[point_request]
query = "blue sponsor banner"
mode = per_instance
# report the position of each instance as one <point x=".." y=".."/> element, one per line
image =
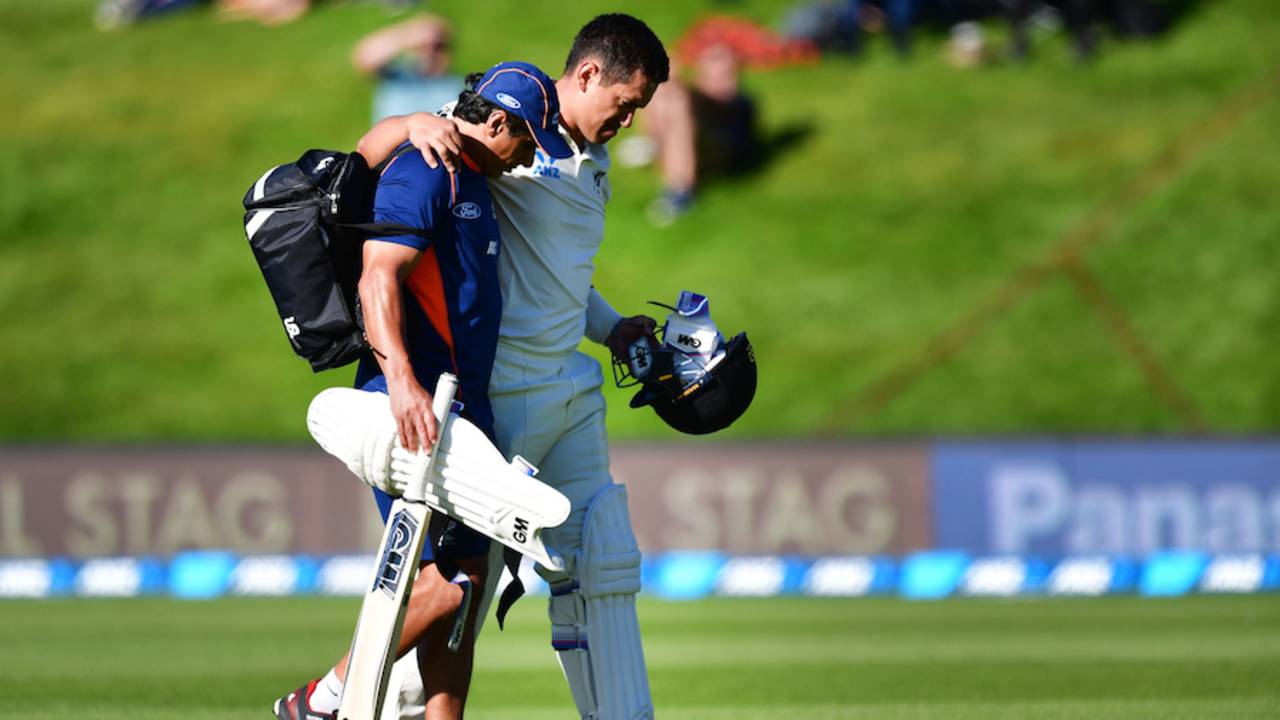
<point x="274" y="575"/>
<point x="852" y="576"/>
<point x="345" y="575"/>
<point x="763" y="576"/>
<point x="1055" y="499"/>
<point x="62" y="576"/>
<point x="36" y="578"/>
<point x="120" y="577"/>
<point x="1092" y="576"/>
<point x="932" y="575"/>
<point x="1271" y="577"/>
<point x="1238" y="574"/>
<point x="752" y="577"/>
<point x="687" y="575"/>
<point x="1006" y="576"/>
<point x="201" y="574"/>
<point x="683" y="575"/>
<point x="1172" y="573"/>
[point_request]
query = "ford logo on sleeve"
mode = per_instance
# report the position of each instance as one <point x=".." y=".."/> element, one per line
<point x="467" y="210"/>
<point x="507" y="100"/>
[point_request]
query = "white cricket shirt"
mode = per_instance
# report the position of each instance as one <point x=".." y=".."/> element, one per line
<point x="551" y="217"/>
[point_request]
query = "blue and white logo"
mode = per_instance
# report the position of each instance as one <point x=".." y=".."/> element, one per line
<point x="25" y="578"/>
<point x="544" y="165"/>
<point x="396" y="554"/>
<point x="752" y="577"/>
<point x="271" y="575"/>
<point x="467" y="210"/>
<point x="507" y="100"/>
<point x="346" y="575"/>
<point x="110" y="577"/>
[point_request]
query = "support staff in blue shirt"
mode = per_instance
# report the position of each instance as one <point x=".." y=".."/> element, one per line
<point x="432" y="304"/>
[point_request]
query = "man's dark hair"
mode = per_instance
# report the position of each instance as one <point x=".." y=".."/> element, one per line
<point x="622" y="45"/>
<point x="475" y="108"/>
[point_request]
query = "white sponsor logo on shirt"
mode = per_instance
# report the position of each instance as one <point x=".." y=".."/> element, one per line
<point x="467" y="210"/>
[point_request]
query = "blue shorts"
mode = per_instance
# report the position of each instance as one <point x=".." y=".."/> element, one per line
<point x="450" y="539"/>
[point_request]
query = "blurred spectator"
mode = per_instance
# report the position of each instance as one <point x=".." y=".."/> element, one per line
<point x="967" y="46"/>
<point x="1079" y="16"/>
<point x="700" y="130"/>
<point x="1084" y="20"/>
<point x="115" y="14"/>
<point x="705" y="126"/>
<point x="754" y="45"/>
<point x="411" y="60"/>
<point x="267" y="12"/>
<point x="839" y="25"/>
<point x="1146" y="18"/>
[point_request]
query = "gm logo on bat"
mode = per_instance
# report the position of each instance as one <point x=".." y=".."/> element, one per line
<point x="521" y="530"/>
<point x="394" y="555"/>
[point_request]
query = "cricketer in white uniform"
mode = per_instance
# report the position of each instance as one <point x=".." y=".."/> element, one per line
<point x="545" y="394"/>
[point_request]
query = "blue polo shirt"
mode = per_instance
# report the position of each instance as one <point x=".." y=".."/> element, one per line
<point x="452" y="302"/>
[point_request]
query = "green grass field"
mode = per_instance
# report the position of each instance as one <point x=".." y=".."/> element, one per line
<point x="1197" y="657"/>
<point x="1040" y="248"/>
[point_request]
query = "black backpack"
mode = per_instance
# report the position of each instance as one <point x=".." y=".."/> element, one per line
<point x="306" y="222"/>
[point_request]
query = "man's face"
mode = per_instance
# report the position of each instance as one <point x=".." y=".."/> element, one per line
<point x="511" y="151"/>
<point x="607" y="107"/>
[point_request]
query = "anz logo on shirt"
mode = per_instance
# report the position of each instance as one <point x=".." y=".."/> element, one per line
<point x="544" y="166"/>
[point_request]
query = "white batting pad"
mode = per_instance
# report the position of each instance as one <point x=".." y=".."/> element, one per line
<point x="472" y="482"/>
<point x="357" y="427"/>
<point x="568" y="614"/>
<point x="594" y="626"/>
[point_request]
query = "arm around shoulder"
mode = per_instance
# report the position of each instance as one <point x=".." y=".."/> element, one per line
<point x="438" y="139"/>
<point x="383" y="138"/>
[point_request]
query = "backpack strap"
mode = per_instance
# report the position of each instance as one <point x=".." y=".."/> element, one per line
<point x="384" y="229"/>
<point x="404" y="148"/>
<point x="387" y="229"/>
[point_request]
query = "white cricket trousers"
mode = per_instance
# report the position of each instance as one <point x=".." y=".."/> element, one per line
<point x="550" y="411"/>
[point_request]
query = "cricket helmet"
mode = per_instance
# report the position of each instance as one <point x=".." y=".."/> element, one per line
<point x="692" y="378"/>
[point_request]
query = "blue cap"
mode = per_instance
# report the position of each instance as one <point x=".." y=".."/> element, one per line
<point x="526" y="92"/>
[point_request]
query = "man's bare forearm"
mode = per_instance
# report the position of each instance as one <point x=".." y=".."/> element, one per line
<point x="383" y="138"/>
<point x="381" y="296"/>
<point x="435" y="137"/>
<point x="380" y="299"/>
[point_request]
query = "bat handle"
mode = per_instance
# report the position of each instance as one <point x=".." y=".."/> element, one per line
<point x="441" y="402"/>
<point x="446" y="388"/>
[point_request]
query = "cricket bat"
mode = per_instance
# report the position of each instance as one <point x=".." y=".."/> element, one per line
<point x="377" y="636"/>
